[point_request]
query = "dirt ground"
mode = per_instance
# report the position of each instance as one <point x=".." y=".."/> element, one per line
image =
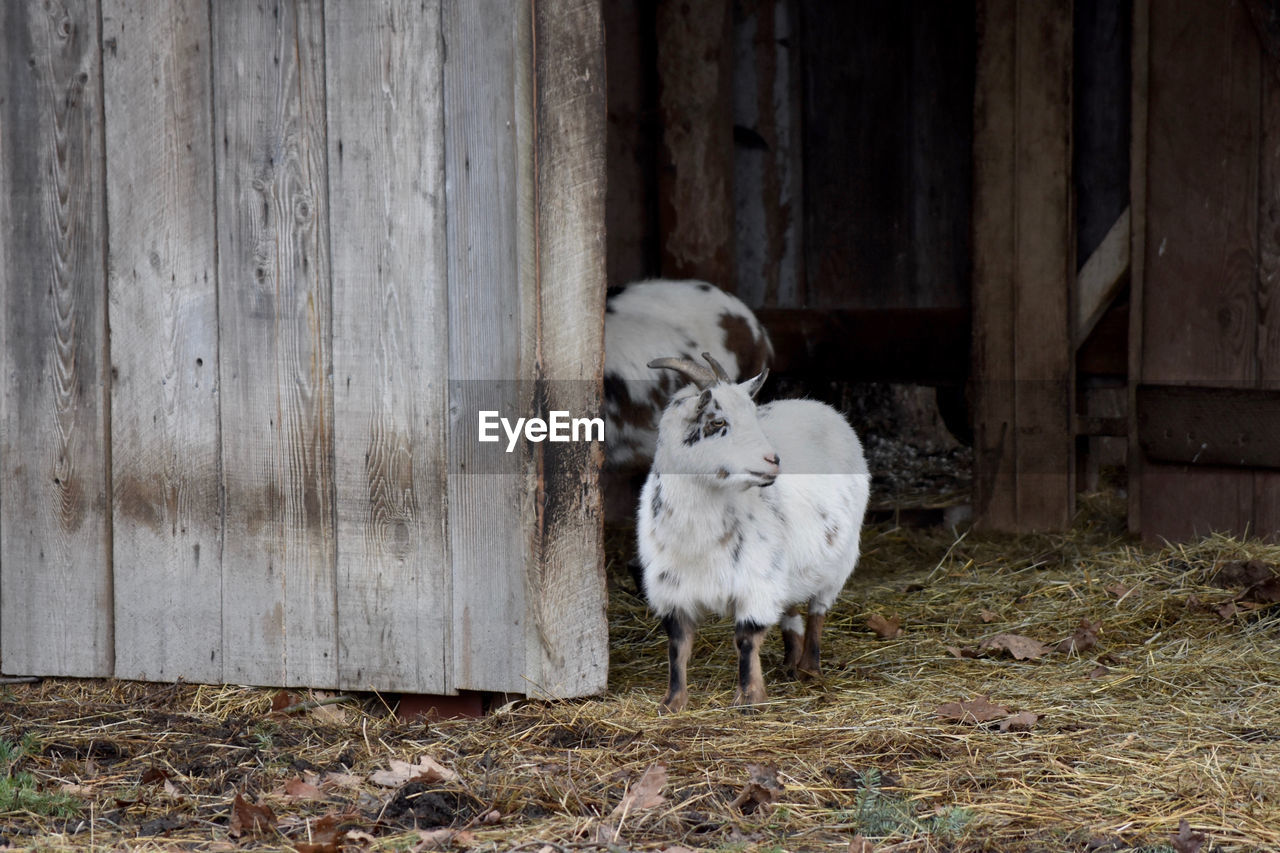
<point x="1074" y="692"/>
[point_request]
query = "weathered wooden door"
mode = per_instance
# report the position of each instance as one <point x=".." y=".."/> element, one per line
<point x="261" y="263"/>
<point x="1208" y="369"/>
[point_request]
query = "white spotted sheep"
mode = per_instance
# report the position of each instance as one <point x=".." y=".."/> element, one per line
<point x="748" y="511"/>
<point x="647" y="319"/>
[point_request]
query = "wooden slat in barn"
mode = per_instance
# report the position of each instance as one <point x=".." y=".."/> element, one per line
<point x="489" y="199"/>
<point x="1200" y="316"/>
<point x="279" y="597"/>
<point x="390" y="340"/>
<point x="568" y="655"/>
<point x="54" y="507"/>
<point x="166" y="478"/>
<point x="1024" y="266"/>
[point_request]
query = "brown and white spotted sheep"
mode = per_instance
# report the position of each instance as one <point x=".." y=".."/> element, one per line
<point x="649" y="319"/>
<point x="750" y="512"/>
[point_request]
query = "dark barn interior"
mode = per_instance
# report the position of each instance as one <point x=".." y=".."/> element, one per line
<point x="954" y="197"/>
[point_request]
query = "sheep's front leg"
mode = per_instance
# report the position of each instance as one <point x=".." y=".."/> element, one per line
<point x="680" y="629"/>
<point x="747" y="637"/>
<point x="792" y="640"/>
<point x="811" y="656"/>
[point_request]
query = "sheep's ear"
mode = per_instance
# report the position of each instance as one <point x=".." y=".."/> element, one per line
<point x="703" y="399"/>
<point x="754" y="385"/>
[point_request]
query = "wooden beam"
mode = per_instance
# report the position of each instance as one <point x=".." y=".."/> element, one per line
<point x="1229" y="427"/>
<point x="568" y="634"/>
<point x="926" y="346"/>
<point x="1139" y="82"/>
<point x="1102" y="277"/>
<point x="1024" y="267"/>
<point x="695" y="178"/>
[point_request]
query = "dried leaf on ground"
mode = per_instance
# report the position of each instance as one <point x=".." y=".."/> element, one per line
<point x="1186" y="841"/>
<point x="885" y="628"/>
<point x="957" y="652"/>
<point x="402" y="772"/>
<point x="860" y="844"/>
<point x="979" y="710"/>
<point x="154" y="775"/>
<point x="1019" y="722"/>
<point x="341" y="780"/>
<point x="762" y="791"/>
<point x="284" y="699"/>
<point x="1084" y="638"/>
<point x="1099" y="671"/>
<point x="1267" y="592"/>
<point x="1245" y="573"/>
<point x="300" y="789"/>
<point x="1020" y="647"/>
<point x="988" y="616"/>
<point x="646" y="793"/>
<point x="249" y="818"/>
<point x="430" y="839"/>
<point x="1119" y="590"/>
<point x="326" y="834"/>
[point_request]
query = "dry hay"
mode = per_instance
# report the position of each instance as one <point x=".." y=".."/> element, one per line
<point x="1172" y="714"/>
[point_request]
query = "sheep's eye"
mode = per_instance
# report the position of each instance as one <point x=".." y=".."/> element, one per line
<point x="715" y="425"/>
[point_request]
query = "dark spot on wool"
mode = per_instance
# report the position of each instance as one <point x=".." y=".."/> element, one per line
<point x="656" y="503"/>
<point x="740" y="339"/>
<point x="832" y="532"/>
<point x="722" y="474"/>
<point x="669" y="579"/>
<point x="704" y="287"/>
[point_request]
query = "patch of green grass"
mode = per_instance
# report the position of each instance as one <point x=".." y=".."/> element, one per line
<point x="882" y="814"/>
<point x="19" y="790"/>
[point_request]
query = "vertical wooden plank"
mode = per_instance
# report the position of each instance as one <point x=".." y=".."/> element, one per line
<point x="1140" y="83"/>
<point x="994" y="184"/>
<point x="1045" y="268"/>
<point x="939" y="144"/>
<point x="56" y="603"/>
<point x="166" y="485"/>
<point x="1023" y="266"/>
<point x="384" y="67"/>
<point x="1200" y="311"/>
<point x="632" y="206"/>
<point x="275" y="365"/>
<point x="492" y="329"/>
<point x="695" y="178"/>
<point x="1266" y="497"/>
<point x="569" y="648"/>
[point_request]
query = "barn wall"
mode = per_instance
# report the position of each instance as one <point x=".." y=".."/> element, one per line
<point x="261" y="266"/>
<point x="1208" y="315"/>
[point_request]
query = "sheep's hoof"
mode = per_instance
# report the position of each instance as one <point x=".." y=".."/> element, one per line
<point x="747" y="701"/>
<point x="674" y="703"/>
<point x="803" y="673"/>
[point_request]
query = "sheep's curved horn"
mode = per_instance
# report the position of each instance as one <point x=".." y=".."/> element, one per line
<point x="715" y="365"/>
<point x="695" y="373"/>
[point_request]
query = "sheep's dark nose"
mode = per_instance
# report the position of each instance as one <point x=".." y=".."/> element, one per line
<point x="773" y="459"/>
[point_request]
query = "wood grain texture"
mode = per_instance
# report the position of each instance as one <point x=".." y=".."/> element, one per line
<point x="279" y="599"/>
<point x="1200" y="289"/>
<point x="1045" y="268"/>
<point x="1140" y="74"/>
<point x="166" y="483"/>
<point x="384" y="73"/>
<point x="569" y="646"/>
<point x="54" y="511"/>
<point x="695" y="177"/>
<point x="994" y="244"/>
<point x="888" y="101"/>
<point x="1266" y="502"/>
<point x="1023" y="267"/>
<point x="492" y="332"/>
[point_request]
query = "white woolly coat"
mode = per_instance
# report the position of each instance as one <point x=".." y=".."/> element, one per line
<point x="714" y="537"/>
